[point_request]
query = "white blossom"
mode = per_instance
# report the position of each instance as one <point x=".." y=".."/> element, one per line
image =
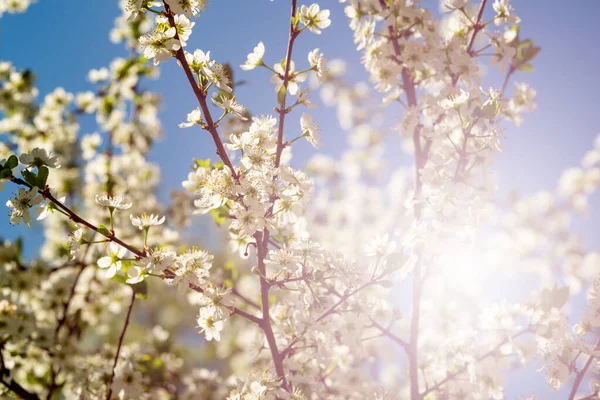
<point x="21" y="203"/>
<point x="113" y="261"/>
<point x="314" y="18"/>
<point x="255" y="59"/>
<point x="145" y="221"/>
<point x="193" y="118"/>
<point x="113" y="202"/>
<point x="38" y="158"/>
<point x="310" y="130"/>
<point x="160" y="46"/>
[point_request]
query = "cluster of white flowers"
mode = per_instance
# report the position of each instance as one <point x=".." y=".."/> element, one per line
<point x="305" y="306"/>
<point x="247" y="192"/>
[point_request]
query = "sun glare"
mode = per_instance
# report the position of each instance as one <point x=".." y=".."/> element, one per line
<point x="464" y="272"/>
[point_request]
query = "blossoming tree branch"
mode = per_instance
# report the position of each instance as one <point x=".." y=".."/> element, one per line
<point x="353" y="278"/>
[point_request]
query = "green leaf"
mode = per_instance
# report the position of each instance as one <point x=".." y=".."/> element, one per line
<point x="146" y="358"/>
<point x="530" y="53"/>
<point x="125" y="265"/>
<point x="386" y="284"/>
<point x="525" y="67"/>
<point x="42" y="177"/>
<point x="296" y="18"/>
<point x="224" y="95"/>
<point x="122" y="72"/>
<point x="157" y="363"/>
<point x="527" y="51"/>
<point x="281" y="95"/>
<point x="108" y="105"/>
<point x="12" y="162"/>
<point x="202" y="163"/>
<point x="19" y="245"/>
<point x="29" y="177"/>
<point x="141" y="290"/>
<point x="272" y="299"/>
<point x="525" y="43"/>
<point x="554" y="298"/>
<point x="231" y="272"/>
<point x="103" y="230"/>
<point x="28" y="77"/>
<point x="220" y="215"/>
<point x="119" y="279"/>
<point x="5" y="173"/>
<point x="561" y="297"/>
<point x="228" y="71"/>
<point x="141" y="296"/>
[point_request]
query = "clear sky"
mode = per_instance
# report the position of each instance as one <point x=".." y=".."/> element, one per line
<point x="62" y="40"/>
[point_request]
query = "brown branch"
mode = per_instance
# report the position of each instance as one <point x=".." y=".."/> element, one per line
<point x="581" y="374"/>
<point x="201" y="96"/>
<point x="420" y="161"/>
<point x="386" y="332"/>
<point x="112" y="374"/>
<point x="462" y="369"/>
<point x="262" y="241"/>
<point x="246" y="300"/>
<point x="511" y="70"/>
<point x="79" y="220"/>
<point x="282" y="282"/>
<point x="463" y="155"/>
<point x="286" y="78"/>
<point x="346" y="296"/>
<point x="477" y="27"/>
<point x="290" y="347"/>
<point x="248" y="316"/>
<point x="12" y="385"/>
<point x="330" y="311"/>
<point x="63" y="318"/>
<point x="593" y="396"/>
<point x="168" y="274"/>
<point x="275" y="244"/>
<point x="19" y="390"/>
<point x="264" y="298"/>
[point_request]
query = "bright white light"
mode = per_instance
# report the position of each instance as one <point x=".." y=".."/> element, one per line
<point x="464" y="272"/>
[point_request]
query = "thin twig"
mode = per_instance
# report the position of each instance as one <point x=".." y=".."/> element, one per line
<point x="250" y="317"/>
<point x="477" y="27"/>
<point x="593" y="396"/>
<point x="246" y="300"/>
<point x="12" y="385"/>
<point x="420" y="161"/>
<point x="286" y="78"/>
<point x="201" y="96"/>
<point x="581" y="374"/>
<point x="345" y="297"/>
<point x="112" y="374"/>
<point x="63" y="318"/>
<point x="264" y="299"/>
<point x="386" y="332"/>
<point x="464" y="368"/>
<point x="79" y="220"/>
<point x="262" y="241"/>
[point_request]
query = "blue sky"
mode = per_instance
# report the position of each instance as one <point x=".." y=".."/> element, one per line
<point x="62" y="41"/>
